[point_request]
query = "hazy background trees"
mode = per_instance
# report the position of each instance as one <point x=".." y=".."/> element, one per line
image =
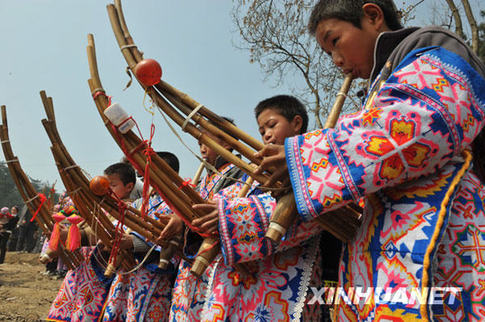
<point x="9" y="195"/>
<point x="275" y="35"/>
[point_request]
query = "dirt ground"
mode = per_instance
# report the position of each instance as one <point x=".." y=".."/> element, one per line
<point x="25" y="293"/>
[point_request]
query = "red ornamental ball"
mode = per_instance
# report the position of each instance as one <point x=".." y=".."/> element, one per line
<point x="99" y="185"/>
<point x="148" y="72"/>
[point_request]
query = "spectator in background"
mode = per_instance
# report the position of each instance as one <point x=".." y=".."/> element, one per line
<point x="6" y="224"/>
<point x="27" y="230"/>
<point x="12" y="242"/>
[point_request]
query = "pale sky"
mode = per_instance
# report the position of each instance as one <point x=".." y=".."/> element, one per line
<point x="43" y="48"/>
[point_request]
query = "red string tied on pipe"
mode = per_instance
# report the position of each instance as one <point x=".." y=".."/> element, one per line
<point x="148" y="152"/>
<point x="43" y="199"/>
<point x="186" y="183"/>
<point x="118" y="230"/>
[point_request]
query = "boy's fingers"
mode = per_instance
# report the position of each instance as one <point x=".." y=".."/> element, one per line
<point x="205" y="206"/>
<point x="280" y="174"/>
<point x="268" y="150"/>
<point x="269" y="164"/>
<point x="166" y="232"/>
<point x="210" y="225"/>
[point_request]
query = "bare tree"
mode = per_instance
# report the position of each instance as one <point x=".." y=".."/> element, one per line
<point x="275" y="33"/>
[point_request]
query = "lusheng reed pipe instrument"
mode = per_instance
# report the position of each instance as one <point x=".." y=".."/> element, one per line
<point x="176" y="192"/>
<point x="198" y="174"/>
<point x="78" y="190"/>
<point x="31" y="197"/>
<point x="190" y="115"/>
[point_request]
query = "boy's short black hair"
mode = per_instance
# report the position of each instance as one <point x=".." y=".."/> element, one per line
<point x="351" y="11"/>
<point x="124" y="170"/>
<point x="171" y="159"/>
<point x="287" y="106"/>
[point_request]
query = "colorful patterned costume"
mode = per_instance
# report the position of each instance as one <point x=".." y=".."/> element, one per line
<point x="83" y="292"/>
<point x="276" y="288"/>
<point x="424" y="221"/>
<point x="145" y="294"/>
<point x="189" y="292"/>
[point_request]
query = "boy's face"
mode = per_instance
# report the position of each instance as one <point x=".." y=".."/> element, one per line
<point x="275" y="128"/>
<point x="121" y="190"/>
<point x="351" y="48"/>
<point x="207" y="153"/>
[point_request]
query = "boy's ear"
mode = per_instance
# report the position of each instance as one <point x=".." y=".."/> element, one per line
<point x="374" y="15"/>
<point x="226" y="145"/>
<point x="130" y="185"/>
<point x="297" y="123"/>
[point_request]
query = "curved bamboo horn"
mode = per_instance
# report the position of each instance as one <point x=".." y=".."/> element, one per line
<point x="30" y="196"/>
<point x="170" y="99"/>
<point x="78" y="189"/>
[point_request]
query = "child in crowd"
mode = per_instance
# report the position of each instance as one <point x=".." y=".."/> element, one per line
<point x="271" y="285"/>
<point x="145" y="293"/>
<point x="6" y="226"/>
<point x="84" y="291"/>
<point x="408" y="154"/>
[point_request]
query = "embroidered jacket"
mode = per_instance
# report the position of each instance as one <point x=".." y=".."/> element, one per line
<point x="405" y="153"/>
<point x="189" y="292"/>
<point x="276" y="286"/>
<point x="83" y="292"/>
<point x="144" y="294"/>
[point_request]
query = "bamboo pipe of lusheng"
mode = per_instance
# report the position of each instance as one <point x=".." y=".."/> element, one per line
<point x="343" y="226"/>
<point x="132" y="215"/>
<point x="165" y="87"/>
<point x="147" y="227"/>
<point x="80" y="197"/>
<point x="198" y="174"/>
<point x="190" y="128"/>
<point x="29" y="195"/>
<point x="84" y="197"/>
<point x="164" y="179"/>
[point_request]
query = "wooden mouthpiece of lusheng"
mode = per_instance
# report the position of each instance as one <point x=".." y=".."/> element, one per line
<point x="167" y="253"/>
<point x="207" y="252"/>
<point x="112" y="267"/>
<point x="110" y="270"/>
<point x="282" y="218"/>
<point x="47" y="256"/>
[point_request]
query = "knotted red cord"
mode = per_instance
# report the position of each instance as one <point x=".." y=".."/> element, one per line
<point x="185" y="183"/>
<point x="43" y="199"/>
<point x="146" y="182"/>
<point x="95" y="95"/>
<point x="118" y="229"/>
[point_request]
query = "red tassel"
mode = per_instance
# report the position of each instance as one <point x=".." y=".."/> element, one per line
<point x="74" y="235"/>
<point x="56" y="234"/>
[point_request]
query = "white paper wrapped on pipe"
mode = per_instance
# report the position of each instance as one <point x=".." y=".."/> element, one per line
<point x="118" y="116"/>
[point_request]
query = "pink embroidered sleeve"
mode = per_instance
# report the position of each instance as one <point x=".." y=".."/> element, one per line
<point x="422" y="117"/>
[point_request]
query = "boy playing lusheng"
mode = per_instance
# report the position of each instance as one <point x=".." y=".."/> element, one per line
<point x="273" y="284"/>
<point x="84" y="291"/>
<point x="143" y="294"/>
<point x="407" y="153"/>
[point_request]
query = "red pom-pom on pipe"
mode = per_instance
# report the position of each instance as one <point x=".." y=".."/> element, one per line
<point x="148" y="72"/>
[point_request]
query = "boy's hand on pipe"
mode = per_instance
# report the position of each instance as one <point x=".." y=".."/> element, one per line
<point x="209" y="223"/>
<point x="174" y="227"/>
<point x="274" y="162"/>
